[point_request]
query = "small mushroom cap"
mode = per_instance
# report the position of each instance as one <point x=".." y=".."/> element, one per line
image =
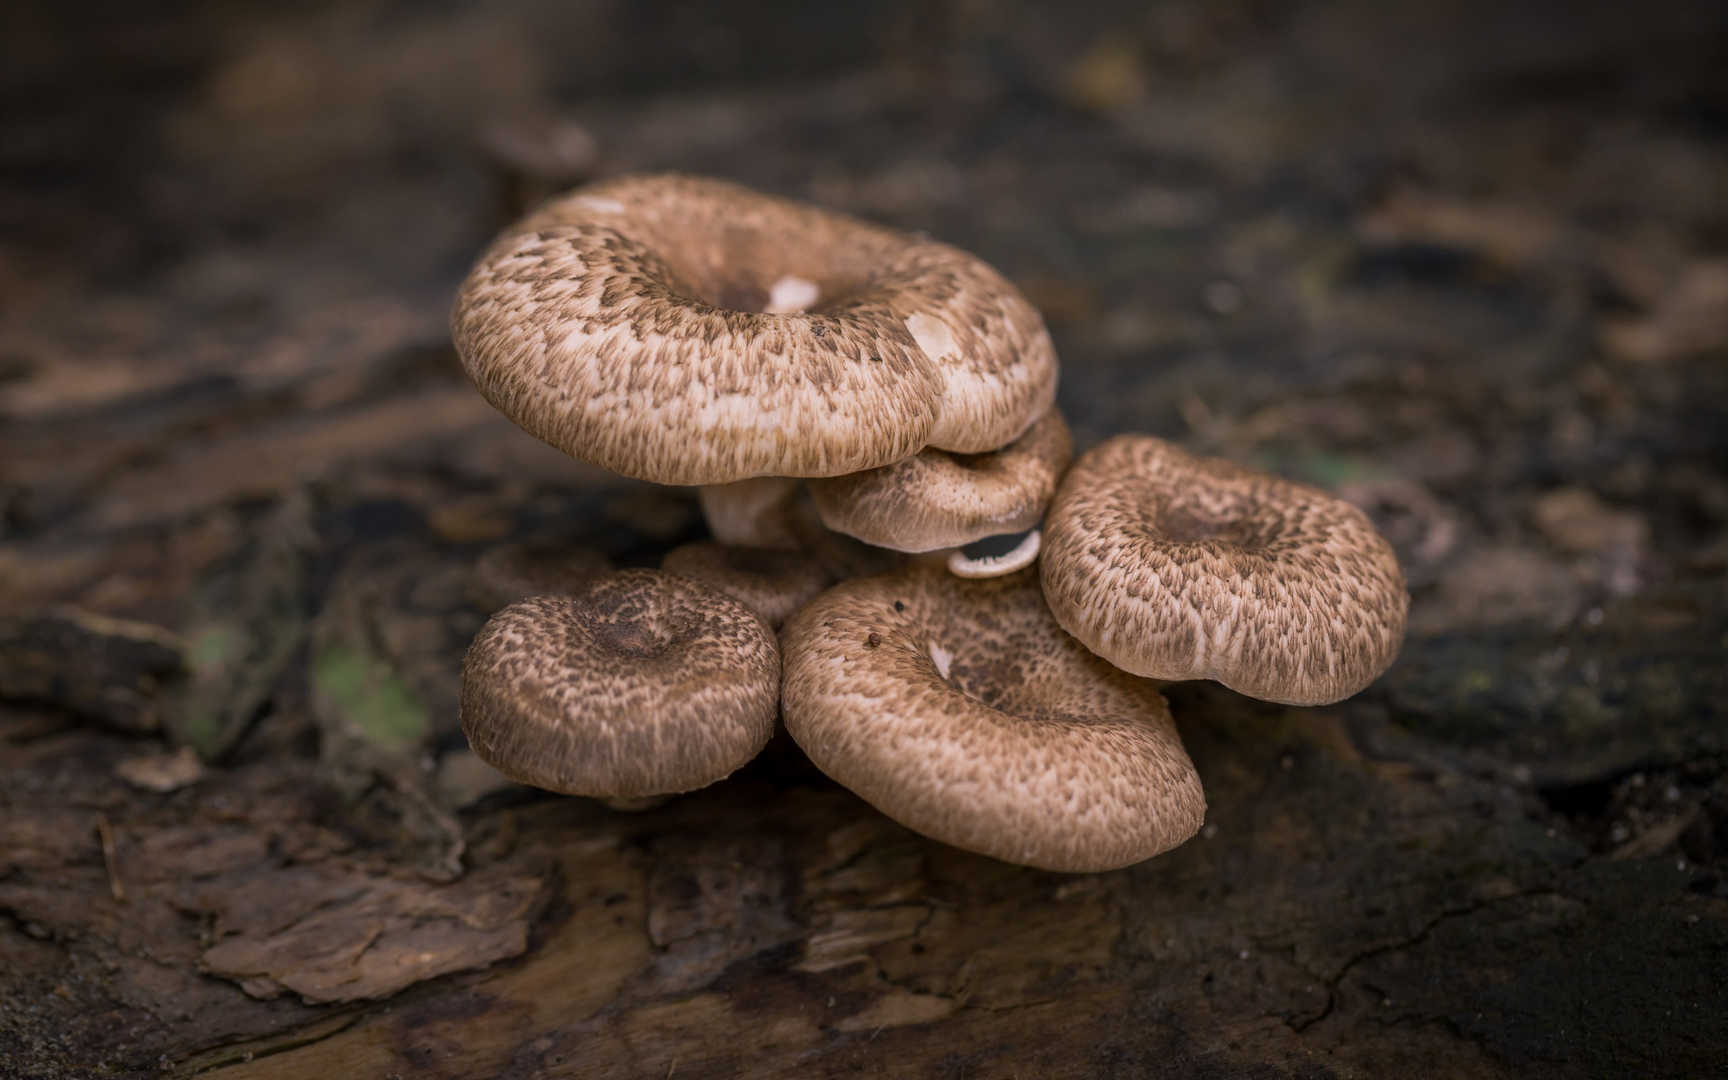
<point x="961" y="710"/>
<point x="509" y="572"/>
<point x="643" y="683"/>
<point x="937" y="499"/>
<point x="1179" y="567"/>
<point x="771" y="583"/>
<point x="628" y="324"/>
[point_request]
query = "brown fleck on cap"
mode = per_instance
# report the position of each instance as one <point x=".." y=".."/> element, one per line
<point x="961" y="710"/>
<point x="691" y="331"/>
<point x="643" y="683"/>
<point x="771" y="583"/>
<point x="937" y="499"/>
<point x="1180" y="567"/>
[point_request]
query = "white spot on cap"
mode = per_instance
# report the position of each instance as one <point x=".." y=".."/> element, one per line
<point x="790" y="295"/>
<point x="942" y="658"/>
<point x="600" y="205"/>
<point x="932" y="335"/>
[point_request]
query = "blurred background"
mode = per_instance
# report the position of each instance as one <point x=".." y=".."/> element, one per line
<point x="1472" y="237"/>
<point x="1465" y="263"/>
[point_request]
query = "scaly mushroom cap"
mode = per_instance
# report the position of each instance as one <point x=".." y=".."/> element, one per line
<point x="690" y="331"/>
<point x="961" y="710"/>
<point x="643" y="683"/>
<point x="771" y="583"/>
<point x="1179" y="567"/>
<point x="937" y="499"/>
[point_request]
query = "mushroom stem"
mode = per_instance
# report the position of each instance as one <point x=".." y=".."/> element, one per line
<point x="752" y="513"/>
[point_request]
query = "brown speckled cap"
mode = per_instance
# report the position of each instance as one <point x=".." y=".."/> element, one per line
<point x="691" y="331"/>
<point x="1179" y="567"/>
<point x="937" y="499"/>
<point x="771" y="583"/>
<point x="642" y="683"/>
<point x="961" y="710"/>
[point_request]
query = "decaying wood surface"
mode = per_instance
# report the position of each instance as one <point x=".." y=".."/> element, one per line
<point x="1464" y="265"/>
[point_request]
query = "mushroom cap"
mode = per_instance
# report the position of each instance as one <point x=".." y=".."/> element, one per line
<point x="938" y="499"/>
<point x="769" y="582"/>
<point x="642" y="683"/>
<point x="1180" y="567"/>
<point x="628" y="324"/>
<point x="961" y="710"/>
<point x="533" y="568"/>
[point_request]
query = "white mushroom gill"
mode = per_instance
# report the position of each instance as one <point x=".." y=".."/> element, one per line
<point x="1021" y="555"/>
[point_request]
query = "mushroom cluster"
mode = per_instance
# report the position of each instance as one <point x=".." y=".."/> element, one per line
<point x="836" y="388"/>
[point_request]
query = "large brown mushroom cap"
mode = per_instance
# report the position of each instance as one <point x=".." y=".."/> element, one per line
<point x="961" y="710"/>
<point x="1179" y="567"/>
<point x="937" y="499"/>
<point x="642" y="683"/>
<point x="690" y="331"/>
